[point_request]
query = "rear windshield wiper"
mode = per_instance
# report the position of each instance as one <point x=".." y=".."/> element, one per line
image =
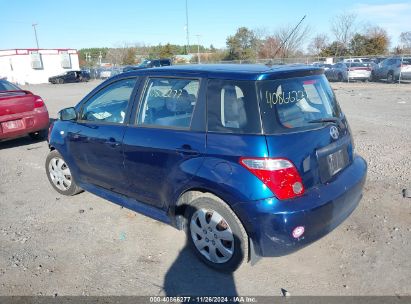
<point x="333" y="120"/>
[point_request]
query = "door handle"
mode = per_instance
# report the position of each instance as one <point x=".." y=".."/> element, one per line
<point x="187" y="150"/>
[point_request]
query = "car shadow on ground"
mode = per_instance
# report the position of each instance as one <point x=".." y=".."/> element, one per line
<point x="188" y="276"/>
<point x="25" y="140"/>
<point x="21" y="141"/>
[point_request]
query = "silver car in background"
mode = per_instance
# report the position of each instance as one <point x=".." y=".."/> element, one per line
<point x="391" y="68"/>
<point x="348" y="72"/>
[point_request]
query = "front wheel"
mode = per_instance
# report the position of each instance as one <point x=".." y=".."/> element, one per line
<point x="59" y="174"/>
<point x="216" y="234"/>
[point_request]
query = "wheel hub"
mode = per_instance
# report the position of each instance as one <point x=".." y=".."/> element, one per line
<point x="205" y="223"/>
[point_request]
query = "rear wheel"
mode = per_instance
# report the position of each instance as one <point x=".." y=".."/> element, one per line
<point x="59" y="174"/>
<point x="340" y="77"/>
<point x="372" y="76"/>
<point x="216" y="234"/>
<point x="390" y="77"/>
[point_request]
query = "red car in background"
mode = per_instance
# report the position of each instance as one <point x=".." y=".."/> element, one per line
<point x="21" y="113"/>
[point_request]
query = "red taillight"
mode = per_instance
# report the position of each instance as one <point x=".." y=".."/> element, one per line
<point x="38" y="103"/>
<point x="278" y="174"/>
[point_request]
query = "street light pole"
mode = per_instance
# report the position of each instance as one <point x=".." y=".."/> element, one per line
<point x="35" y="34"/>
<point x="187" y="32"/>
<point x="198" y="49"/>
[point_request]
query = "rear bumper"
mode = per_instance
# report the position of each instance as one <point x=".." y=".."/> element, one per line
<point x="31" y="122"/>
<point x="406" y="75"/>
<point x="270" y="222"/>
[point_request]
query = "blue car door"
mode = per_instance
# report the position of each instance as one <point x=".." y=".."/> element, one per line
<point x="95" y="140"/>
<point x="165" y="146"/>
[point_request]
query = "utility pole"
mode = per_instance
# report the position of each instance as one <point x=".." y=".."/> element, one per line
<point x="35" y="34"/>
<point x="198" y="49"/>
<point x="187" y="32"/>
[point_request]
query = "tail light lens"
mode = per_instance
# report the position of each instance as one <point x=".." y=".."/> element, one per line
<point x="278" y="174"/>
<point x="38" y="103"/>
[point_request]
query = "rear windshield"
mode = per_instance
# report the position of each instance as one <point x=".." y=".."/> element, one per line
<point x="356" y="65"/>
<point x="294" y="103"/>
<point x="7" y="86"/>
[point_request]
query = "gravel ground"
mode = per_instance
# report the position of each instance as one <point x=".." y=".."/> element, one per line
<point x="84" y="245"/>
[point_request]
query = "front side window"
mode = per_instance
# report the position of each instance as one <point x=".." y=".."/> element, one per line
<point x="296" y="103"/>
<point x="110" y="104"/>
<point x="232" y="107"/>
<point x="169" y="102"/>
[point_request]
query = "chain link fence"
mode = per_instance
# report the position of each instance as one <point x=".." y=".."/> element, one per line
<point x="382" y="67"/>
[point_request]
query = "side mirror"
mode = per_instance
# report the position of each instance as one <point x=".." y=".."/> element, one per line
<point x="67" y="114"/>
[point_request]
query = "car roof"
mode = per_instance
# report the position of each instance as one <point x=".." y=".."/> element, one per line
<point x="231" y="71"/>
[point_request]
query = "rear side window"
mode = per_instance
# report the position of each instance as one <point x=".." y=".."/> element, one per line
<point x="232" y="107"/>
<point x="295" y="103"/>
<point x="169" y="102"/>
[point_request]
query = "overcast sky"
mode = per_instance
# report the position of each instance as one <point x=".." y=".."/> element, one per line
<point x="90" y="23"/>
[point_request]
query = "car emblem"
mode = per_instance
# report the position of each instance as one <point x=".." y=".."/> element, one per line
<point x="334" y="132"/>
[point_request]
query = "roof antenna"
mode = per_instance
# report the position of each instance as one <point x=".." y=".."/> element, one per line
<point x="292" y="32"/>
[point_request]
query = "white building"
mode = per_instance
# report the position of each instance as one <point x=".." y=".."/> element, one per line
<point x="33" y="66"/>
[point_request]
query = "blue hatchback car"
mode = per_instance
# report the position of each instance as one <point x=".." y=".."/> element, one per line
<point x="250" y="160"/>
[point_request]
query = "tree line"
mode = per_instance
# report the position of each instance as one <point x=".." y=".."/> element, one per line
<point x="349" y="38"/>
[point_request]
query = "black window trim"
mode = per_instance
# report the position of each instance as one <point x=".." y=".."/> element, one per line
<point x="134" y="120"/>
<point x="129" y="107"/>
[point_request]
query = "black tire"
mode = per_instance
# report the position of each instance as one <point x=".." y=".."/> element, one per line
<point x="73" y="188"/>
<point x="390" y="77"/>
<point x="372" y="76"/>
<point x="211" y="204"/>
<point x="60" y="81"/>
<point x="39" y="135"/>
<point x="340" y="77"/>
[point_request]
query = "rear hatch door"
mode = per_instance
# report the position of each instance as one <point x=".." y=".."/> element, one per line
<point x="302" y="122"/>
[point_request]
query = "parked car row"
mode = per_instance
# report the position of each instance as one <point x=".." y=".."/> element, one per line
<point x="389" y="69"/>
<point x="348" y="71"/>
<point x="150" y="63"/>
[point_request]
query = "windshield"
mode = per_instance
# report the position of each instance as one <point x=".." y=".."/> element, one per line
<point x="145" y="63"/>
<point x="294" y="103"/>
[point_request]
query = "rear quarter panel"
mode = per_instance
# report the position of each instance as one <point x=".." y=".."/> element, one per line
<point x="221" y="172"/>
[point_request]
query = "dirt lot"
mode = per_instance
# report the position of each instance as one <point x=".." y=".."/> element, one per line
<point x="84" y="245"/>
